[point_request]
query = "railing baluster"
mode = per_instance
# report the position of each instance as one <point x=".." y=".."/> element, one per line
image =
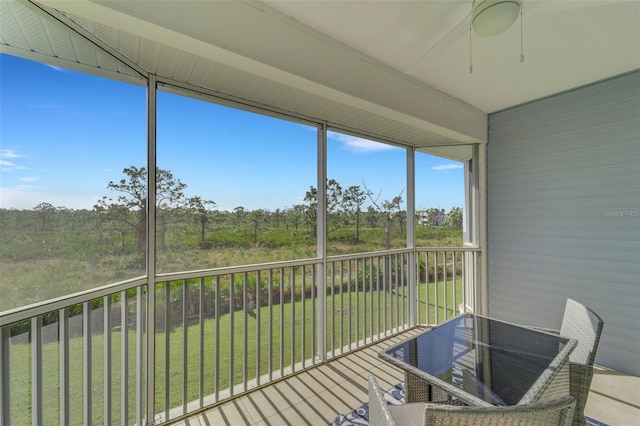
<point x="333" y="309"/>
<point x="167" y="360"/>
<point x="216" y="377"/>
<point x="363" y="315"/>
<point x="384" y="294"/>
<point x="349" y="302"/>
<point x="399" y="267"/>
<point x="63" y="341"/>
<point x="245" y="331"/>
<point x="231" y="332"/>
<point x="455" y="285"/>
<point x="107" y="337"/>
<point x="292" y="279"/>
<point x="427" y="282"/>
<point x="357" y="315"/>
<point x="407" y="265"/>
<point x="140" y="370"/>
<point x="258" y="328"/>
<point x="270" y="325"/>
<point x="417" y="289"/>
<point x="445" y="277"/>
<point x="201" y="345"/>
<point x="36" y="370"/>
<point x="303" y="316"/>
<point x="436" y="300"/>
<point x="403" y="299"/>
<point x="124" y="357"/>
<point x="313" y="313"/>
<point x="185" y="343"/>
<point x="342" y="307"/>
<point x="397" y="276"/>
<point x="396" y="284"/>
<point x="378" y="314"/>
<point x="371" y="299"/>
<point x="405" y="296"/>
<point x="5" y="375"/>
<point x="87" y="362"/>
<point x="366" y="294"/>
<point x="282" y="322"/>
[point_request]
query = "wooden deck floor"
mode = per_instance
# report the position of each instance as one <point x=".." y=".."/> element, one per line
<point x="318" y="395"/>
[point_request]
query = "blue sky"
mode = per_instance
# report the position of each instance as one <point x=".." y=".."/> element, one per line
<point x="64" y="135"/>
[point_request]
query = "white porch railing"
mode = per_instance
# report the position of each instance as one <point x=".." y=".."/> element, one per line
<point x="217" y="333"/>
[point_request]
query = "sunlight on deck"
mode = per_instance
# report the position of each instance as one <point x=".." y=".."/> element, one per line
<point x="318" y="395"/>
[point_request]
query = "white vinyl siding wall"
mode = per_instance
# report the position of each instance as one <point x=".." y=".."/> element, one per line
<point x="563" y="203"/>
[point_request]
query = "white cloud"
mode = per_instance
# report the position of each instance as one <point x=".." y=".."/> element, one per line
<point x="358" y="144"/>
<point x="8" y="166"/>
<point x="29" y="179"/>
<point x="11" y="153"/>
<point x="448" y="166"/>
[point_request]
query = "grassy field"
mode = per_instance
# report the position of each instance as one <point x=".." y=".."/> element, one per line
<point x="290" y="344"/>
<point x="40" y="267"/>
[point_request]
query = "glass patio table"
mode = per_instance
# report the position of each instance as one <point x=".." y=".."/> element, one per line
<point x="480" y="361"/>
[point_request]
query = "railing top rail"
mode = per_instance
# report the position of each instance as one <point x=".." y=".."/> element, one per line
<point x="339" y="257"/>
<point x="171" y="276"/>
<point x="449" y="249"/>
<point x="39" y="308"/>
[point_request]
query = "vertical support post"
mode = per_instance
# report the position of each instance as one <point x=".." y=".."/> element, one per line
<point x="472" y="229"/>
<point x="481" y="289"/>
<point x="151" y="247"/>
<point x="321" y="236"/>
<point x="411" y="236"/>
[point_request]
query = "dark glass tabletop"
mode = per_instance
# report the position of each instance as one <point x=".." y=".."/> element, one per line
<point x="495" y="361"/>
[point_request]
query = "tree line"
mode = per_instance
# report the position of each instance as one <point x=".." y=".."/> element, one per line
<point x="123" y="214"/>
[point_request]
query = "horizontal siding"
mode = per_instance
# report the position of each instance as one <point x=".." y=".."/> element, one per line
<point x="559" y="172"/>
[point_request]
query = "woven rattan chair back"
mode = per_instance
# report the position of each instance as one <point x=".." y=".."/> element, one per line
<point x="554" y="412"/>
<point x="379" y="414"/>
<point x="584" y="325"/>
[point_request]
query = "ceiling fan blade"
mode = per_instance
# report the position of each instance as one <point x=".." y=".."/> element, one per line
<point x="460" y="30"/>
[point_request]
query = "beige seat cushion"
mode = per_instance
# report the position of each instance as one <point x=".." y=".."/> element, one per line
<point x="408" y="414"/>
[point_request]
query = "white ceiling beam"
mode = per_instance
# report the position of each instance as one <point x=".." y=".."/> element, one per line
<point x="257" y="39"/>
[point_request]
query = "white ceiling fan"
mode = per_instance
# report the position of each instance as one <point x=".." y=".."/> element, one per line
<point x="486" y="18"/>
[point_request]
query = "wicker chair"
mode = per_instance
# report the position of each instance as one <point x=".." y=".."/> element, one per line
<point x="584" y="325"/>
<point x="548" y="413"/>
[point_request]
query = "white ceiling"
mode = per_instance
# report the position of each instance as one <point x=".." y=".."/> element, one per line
<point x="396" y="70"/>
<point x="566" y="44"/>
